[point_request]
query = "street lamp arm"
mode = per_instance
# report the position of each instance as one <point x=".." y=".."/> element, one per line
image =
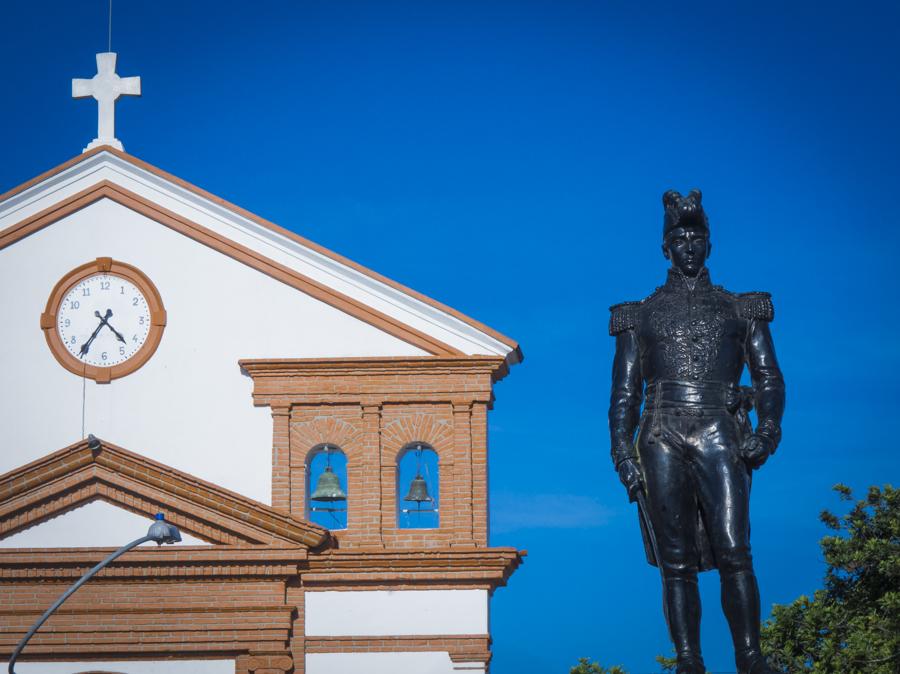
<point x="68" y="593"/>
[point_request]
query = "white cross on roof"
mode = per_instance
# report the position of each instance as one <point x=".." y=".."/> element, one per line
<point x="106" y="86"/>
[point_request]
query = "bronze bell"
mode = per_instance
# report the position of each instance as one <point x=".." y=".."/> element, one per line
<point x="328" y="487"/>
<point x="418" y="491"/>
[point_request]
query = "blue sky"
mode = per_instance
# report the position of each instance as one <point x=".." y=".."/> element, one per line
<point x="508" y="159"/>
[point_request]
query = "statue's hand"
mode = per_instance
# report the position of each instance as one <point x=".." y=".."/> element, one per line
<point x="756" y="449"/>
<point x="630" y="475"/>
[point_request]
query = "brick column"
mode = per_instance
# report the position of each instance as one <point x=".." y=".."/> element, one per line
<point x="388" y="470"/>
<point x="281" y="457"/>
<point x="297" y="471"/>
<point x="480" y="490"/>
<point x="462" y="468"/>
<point x="364" y="518"/>
<point x="294" y="595"/>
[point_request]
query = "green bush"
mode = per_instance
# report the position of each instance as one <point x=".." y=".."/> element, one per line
<point x="852" y="626"/>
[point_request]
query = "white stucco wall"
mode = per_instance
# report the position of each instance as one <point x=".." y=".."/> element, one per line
<point x="189" y="406"/>
<point x="379" y="663"/>
<point x="95" y="525"/>
<point x="128" y="667"/>
<point x="401" y="612"/>
<point x="275" y="246"/>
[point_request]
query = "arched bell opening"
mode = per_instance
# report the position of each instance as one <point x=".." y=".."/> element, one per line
<point x="326" y="487"/>
<point x="418" y="487"/>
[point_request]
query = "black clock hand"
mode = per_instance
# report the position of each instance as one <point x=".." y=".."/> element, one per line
<point x="87" y="345"/>
<point x="106" y="323"/>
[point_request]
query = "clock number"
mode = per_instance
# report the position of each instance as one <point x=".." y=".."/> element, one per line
<point x="121" y="290"/>
<point x="134" y="338"/>
<point x="121" y="350"/>
<point x="134" y="301"/>
<point x="104" y="285"/>
<point x="85" y="292"/>
<point x="75" y="304"/>
<point x="67" y="323"/>
<point x="103" y="355"/>
<point x="73" y="339"/>
<point x="141" y="320"/>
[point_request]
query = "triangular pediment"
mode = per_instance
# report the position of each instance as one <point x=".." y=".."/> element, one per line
<point x="79" y="474"/>
<point x="97" y="524"/>
<point x="106" y="173"/>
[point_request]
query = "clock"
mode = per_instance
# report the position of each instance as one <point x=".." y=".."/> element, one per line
<point x="103" y="320"/>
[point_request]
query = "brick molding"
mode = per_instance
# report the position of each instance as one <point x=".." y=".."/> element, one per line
<point x="461" y="648"/>
<point x="482" y="568"/>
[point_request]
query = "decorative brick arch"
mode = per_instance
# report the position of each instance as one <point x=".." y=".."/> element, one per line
<point x="308" y="435"/>
<point x="425" y="428"/>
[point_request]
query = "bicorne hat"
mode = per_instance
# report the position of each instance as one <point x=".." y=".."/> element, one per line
<point x="683" y="211"/>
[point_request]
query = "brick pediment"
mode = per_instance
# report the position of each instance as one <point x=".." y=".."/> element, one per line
<point x="78" y="474"/>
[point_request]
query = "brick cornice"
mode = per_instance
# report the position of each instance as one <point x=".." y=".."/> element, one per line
<point x="460" y="380"/>
<point x="173" y="608"/>
<point x="483" y="567"/>
<point x="162" y="563"/>
<point x="276" y="367"/>
<point x="41" y="483"/>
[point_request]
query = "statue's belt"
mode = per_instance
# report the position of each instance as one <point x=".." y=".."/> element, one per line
<point x="684" y="398"/>
<point x="664" y="395"/>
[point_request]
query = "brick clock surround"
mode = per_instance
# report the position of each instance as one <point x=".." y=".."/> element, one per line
<point x="268" y="591"/>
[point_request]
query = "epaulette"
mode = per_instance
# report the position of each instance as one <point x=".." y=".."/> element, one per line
<point x="756" y="305"/>
<point x="623" y="317"/>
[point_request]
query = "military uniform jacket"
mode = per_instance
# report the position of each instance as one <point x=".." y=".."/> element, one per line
<point x="692" y="331"/>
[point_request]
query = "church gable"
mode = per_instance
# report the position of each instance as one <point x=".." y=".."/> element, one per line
<point x="106" y="173"/>
<point x="81" y="474"/>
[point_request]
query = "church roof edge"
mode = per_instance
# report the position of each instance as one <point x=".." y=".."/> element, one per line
<point x="513" y="356"/>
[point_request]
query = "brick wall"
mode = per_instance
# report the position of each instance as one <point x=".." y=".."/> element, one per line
<point x="373" y="409"/>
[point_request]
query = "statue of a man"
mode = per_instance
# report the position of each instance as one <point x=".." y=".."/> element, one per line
<point x="681" y="352"/>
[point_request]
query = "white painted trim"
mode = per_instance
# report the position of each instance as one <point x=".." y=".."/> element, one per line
<point x="189" y="204"/>
<point x="429" y="662"/>
<point x="396" y="612"/>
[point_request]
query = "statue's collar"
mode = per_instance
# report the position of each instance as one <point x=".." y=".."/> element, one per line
<point x="677" y="281"/>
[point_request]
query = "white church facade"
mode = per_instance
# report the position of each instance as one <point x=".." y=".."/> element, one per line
<point x="229" y="369"/>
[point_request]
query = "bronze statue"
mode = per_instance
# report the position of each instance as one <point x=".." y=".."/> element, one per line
<point x="681" y="352"/>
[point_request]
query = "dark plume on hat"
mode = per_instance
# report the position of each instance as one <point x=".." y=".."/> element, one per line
<point x="683" y="211"/>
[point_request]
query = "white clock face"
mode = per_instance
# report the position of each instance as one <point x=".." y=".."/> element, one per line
<point x="103" y="320"/>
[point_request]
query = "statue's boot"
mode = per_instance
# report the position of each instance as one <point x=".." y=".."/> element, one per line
<point x="683" y="612"/>
<point x="754" y="663"/>
<point x="740" y="602"/>
<point x="690" y="666"/>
